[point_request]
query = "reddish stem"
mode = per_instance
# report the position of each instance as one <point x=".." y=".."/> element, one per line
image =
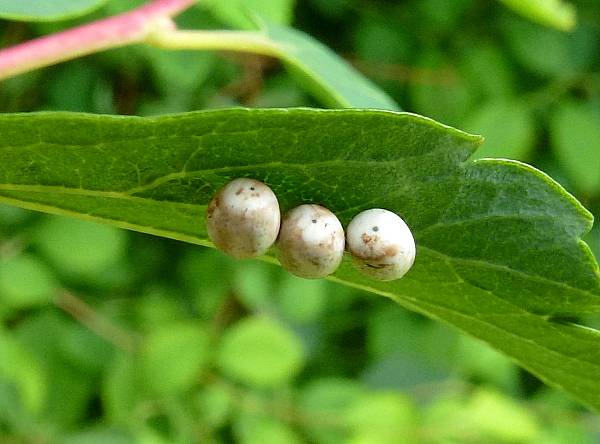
<point x="112" y="32"/>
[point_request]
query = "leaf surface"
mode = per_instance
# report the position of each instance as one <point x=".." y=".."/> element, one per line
<point x="499" y="253"/>
<point x="575" y="136"/>
<point x="557" y="14"/>
<point x="46" y="10"/>
<point x="238" y="13"/>
<point x="323" y="73"/>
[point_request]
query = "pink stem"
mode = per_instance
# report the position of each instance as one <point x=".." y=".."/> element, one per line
<point x="112" y="32"/>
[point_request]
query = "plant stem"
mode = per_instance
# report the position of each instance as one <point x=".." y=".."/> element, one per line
<point x="243" y="41"/>
<point x="97" y="323"/>
<point x="124" y="29"/>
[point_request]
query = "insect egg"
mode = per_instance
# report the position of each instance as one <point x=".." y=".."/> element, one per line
<point x="381" y="244"/>
<point x="311" y="241"/>
<point x="243" y="218"/>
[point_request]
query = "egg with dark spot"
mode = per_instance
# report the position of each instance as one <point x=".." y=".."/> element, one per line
<point x="311" y="241"/>
<point x="243" y="218"/>
<point x="381" y="244"/>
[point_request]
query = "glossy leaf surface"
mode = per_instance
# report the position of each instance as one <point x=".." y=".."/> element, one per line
<point x="557" y="14"/>
<point x="499" y="253"/>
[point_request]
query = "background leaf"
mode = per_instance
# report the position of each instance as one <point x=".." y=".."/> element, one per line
<point x="172" y="357"/>
<point x="575" y="132"/>
<point x="26" y="282"/>
<point x="508" y="127"/>
<point x="260" y="352"/>
<point x="237" y="13"/>
<point x="47" y="10"/>
<point x="499" y="249"/>
<point x="323" y="73"/>
<point x="558" y="14"/>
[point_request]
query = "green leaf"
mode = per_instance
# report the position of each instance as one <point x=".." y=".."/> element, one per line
<point x="172" y="357"/>
<point x="68" y="390"/>
<point x="557" y="14"/>
<point x="260" y="352"/>
<point x="302" y="300"/>
<point x="26" y="282"/>
<point x="120" y="389"/>
<point x="439" y="100"/>
<point x="59" y="240"/>
<point x="329" y="399"/>
<point x="255" y="429"/>
<point x="543" y="51"/>
<point x="100" y="435"/>
<point x="508" y="127"/>
<point x="323" y="73"/>
<point x="46" y="10"/>
<point x="237" y="13"/>
<point x="483" y="417"/>
<point x="387" y="416"/>
<point x="20" y="369"/>
<point x="575" y="135"/>
<point x="253" y="285"/>
<point x="317" y="68"/>
<point x="214" y="404"/>
<point x="499" y="250"/>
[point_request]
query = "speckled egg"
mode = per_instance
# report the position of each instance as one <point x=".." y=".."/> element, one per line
<point x="381" y="244"/>
<point x="243" y="218"/>
<point x="311" y="241"/>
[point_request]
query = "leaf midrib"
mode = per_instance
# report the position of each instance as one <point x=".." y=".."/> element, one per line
<point x="174" y="235"/>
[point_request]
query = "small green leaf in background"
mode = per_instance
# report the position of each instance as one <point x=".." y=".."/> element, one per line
<point x="173" y="356"/>
<point x="253" y="284"/>
<point x="508" y="127"/>
<point x="374" y="29"/>
<point x="258" y="351"/>
<point x="80" y="248"/>
<point x="382" y="417"/>
<point x="120" y="388"/>
<point x="100" y="435"/>
<point x="70" y="389"/>
<point x="257" y="429"/>
<point x="26" y="282"/>
<point x="447" y="100"/>
<point x="84" y="349"/>
<point x="498" y="417"/>
<point x="202" y="272"/>
<point x="543" y="51"/>
<point x="329" y="399"/>
<point x="158" y="306"/>
<point x="483" y="416"/>
<point x="238" y="13"/>
<point x="488" y="72"/>
<point x="47" y="10"/>
<point x="482" y="363"/>
<point x="302" y="300"/>
<point x="19" y="368"/>
<point x="405" y="352"/>
<point x="214" y="404"/>
<point x="575" y="136"/>
<point x="87" y="90"/>
<point x="559" y="14"/>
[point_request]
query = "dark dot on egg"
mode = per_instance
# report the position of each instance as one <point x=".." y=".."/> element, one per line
<point x="375" y="228"/>
<point x="251" y="188"/>
<point x="314" y="221"/>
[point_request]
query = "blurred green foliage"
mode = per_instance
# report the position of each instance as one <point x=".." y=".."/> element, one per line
<point x="114" y="337"/>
